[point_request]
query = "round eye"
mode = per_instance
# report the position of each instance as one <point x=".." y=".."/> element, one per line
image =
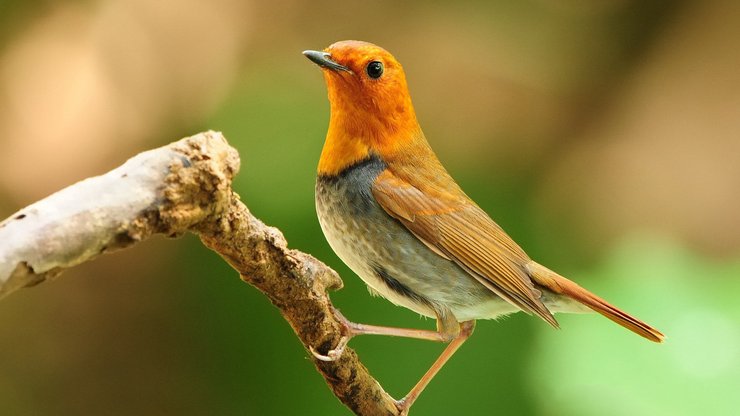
<point x="375" y="69"/>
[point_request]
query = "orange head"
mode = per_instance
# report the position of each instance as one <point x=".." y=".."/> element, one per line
<point x="371" y="110"/>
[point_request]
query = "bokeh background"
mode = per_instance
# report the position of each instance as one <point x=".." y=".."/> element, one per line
<point x="603" y="135"/>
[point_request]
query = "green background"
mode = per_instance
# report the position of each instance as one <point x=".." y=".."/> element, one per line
<point x="547" y="112"/>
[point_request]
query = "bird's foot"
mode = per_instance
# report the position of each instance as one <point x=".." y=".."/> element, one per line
<point x="403" y="407"/>
<point x="334" y="353"/>
<point x="347" y="334"/>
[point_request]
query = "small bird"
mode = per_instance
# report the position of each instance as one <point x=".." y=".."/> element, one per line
<point x="393" y="214"/>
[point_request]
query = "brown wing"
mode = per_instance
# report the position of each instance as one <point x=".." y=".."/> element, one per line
<point x="457" y="229"/>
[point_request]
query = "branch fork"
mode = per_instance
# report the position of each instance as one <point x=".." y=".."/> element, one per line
<point x="186" y="187"/>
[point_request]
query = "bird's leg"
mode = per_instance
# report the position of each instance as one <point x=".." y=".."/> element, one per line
<point x="447" y="330"/>
<point x="466" y="328"/>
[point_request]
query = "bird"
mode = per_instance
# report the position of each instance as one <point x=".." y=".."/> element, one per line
<point x="390" y="210"/>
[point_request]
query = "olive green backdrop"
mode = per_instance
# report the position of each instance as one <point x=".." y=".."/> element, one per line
<point x="603" y="136"/>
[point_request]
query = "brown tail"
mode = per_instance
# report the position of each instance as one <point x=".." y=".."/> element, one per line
<point x="558" y="284"/>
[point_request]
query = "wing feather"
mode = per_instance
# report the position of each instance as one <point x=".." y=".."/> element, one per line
<point x="457" y="229"/>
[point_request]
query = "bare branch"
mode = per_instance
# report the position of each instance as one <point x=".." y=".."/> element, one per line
<point x="296" y="283"/>
<point x="186" y="186"/>
<point x="162" y="191"/>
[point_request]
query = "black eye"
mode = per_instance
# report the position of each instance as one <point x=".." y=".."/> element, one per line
<point x="375" y="69"/>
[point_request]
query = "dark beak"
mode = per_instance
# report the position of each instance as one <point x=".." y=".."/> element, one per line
<point x="323" y="59"/>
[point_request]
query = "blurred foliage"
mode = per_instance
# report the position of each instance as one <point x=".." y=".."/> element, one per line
<point x="594" y="370"/>
<point x="560" y="118"/>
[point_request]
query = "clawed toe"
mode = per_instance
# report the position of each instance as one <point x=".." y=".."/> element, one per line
<point x="403" y="407"/>
<point x="333" y="354"/>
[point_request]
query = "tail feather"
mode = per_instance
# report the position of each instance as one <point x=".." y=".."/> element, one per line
<point x="559" y="284"/>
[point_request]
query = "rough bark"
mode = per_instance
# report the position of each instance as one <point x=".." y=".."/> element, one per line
<point x="186" y="186"/>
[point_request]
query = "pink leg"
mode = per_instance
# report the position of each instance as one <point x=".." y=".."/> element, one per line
<point x="466" y="329"/>
<point x="447" y="330"/>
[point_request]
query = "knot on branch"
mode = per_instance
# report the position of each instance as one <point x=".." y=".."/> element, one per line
<point x="198" y="186"/>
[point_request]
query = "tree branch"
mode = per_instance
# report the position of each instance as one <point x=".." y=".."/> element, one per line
<point x="186" y="186"/>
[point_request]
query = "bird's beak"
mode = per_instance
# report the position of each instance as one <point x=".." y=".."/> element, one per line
<point x="323" y="59"/>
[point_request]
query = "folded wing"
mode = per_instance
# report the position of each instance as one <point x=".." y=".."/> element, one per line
<point x="455" y="228"/>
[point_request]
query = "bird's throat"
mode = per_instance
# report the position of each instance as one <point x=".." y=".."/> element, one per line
<point x="354" y="137"/>
<point x="339" y="153"/>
